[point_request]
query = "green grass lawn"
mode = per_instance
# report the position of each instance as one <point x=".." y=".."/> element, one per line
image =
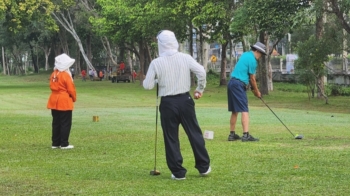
<point x="115" y="155"/>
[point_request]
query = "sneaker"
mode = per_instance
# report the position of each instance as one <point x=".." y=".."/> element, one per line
<point x="207" y="172"/>
<point x="233" y="137"/>
<point x="67" y="147"/>
<point x="249" y="138"/>
<point x="175" y="178"/>
<point x="55" y="147"/>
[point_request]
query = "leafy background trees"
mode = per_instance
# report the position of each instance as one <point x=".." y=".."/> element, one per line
<point x="104" y="32"/>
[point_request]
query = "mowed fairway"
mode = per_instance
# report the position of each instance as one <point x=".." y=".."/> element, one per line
<point x="115" y="155"/>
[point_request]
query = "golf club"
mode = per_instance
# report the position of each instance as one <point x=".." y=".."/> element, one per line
<point x="297" y="136"/>
<point x="155" y="172"/>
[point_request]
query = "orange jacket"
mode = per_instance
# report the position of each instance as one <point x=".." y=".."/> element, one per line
<point x="63" y="92"/>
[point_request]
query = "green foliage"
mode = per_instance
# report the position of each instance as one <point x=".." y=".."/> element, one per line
<point x="213" y="77"/>
<point x="333" y="90"/>
<point x="302" y="34"/>
<point x="289" y="87"/>
<point x="273" y="16"/>
<point x="30" y="69"/>
<point x="133" y="21"/>
<point x="311" y="56"/>
<point x="307" y="78"/>
<point x="241" y="25"/>
<point x="2" y="10"/>
<point x="275" y="60"/>
<point x="337" y="90"/>
<point x="19" y="13"/>
<point x="217" y="16"/>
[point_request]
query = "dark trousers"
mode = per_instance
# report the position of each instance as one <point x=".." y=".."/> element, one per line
<point x="176" y="110"/>
<point x="61" y="125"/>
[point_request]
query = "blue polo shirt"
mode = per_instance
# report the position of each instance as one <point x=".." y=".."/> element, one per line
<point x="245" y="66"/>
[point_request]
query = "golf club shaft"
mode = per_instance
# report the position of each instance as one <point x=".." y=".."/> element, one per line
<point x="276" y="116"/>
<point x="155" y="142"/>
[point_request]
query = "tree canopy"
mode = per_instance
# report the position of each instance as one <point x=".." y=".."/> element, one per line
<point x="124" y="28"/>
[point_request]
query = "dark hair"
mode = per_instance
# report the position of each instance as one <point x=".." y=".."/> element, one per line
<point x="254" y="49"/>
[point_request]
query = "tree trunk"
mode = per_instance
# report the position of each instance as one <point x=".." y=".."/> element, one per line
<point x="108" y="49"/>
<point x="63" y="42"/>
<point x="205" y="55"/>
<point x="88" y="47"/>
<point x="143" y="71"/>
<point x="190" y="45"/>
<point x="130" y="63"/>
<point x="122" y="52"/>
<point x="8" y="66"/>
<point x="77" y="66"/>
<point x="262" y="76"/>
<point x="262" y="67"/>
<point x="269" y="68"/>
<point x="320" y="88"/>
<point x="223" y="80"/>
<point x="3" y="61"/>
<point x="200" y="51"/>
<point x="36" y="67"/>
<point x="191" y="49"/>
<point x="47" y="51"/>
<point x="345" y="52"/>
<point x="269" y="77"/>
<point x="147" y="54"/>
<point x="231" y="56"/>
<point x="69" y="27"/>
<point x="320" y="21"/>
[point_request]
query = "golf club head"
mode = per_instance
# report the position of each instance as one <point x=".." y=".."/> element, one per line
<point x="154" y="173"/>
<point x="299" y="137"/>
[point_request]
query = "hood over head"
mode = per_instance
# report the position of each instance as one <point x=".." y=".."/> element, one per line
<point x="167" y="43"/>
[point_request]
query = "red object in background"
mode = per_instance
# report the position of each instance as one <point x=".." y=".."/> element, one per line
<point x="122" y="66"/>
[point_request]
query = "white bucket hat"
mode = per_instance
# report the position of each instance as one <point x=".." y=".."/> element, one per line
<point x="63" y="62"/>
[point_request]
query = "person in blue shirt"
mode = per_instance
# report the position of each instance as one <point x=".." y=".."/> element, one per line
<point x="243" y="75"/>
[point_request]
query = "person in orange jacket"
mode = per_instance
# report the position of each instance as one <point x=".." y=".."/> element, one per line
<point x="63" y="94"/>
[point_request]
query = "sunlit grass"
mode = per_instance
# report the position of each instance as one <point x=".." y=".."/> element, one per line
<point x="115" y="155"/>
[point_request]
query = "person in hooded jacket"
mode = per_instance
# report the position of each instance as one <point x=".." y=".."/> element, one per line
<point x="61" y="99"/>
<point x="172" y="72"/>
